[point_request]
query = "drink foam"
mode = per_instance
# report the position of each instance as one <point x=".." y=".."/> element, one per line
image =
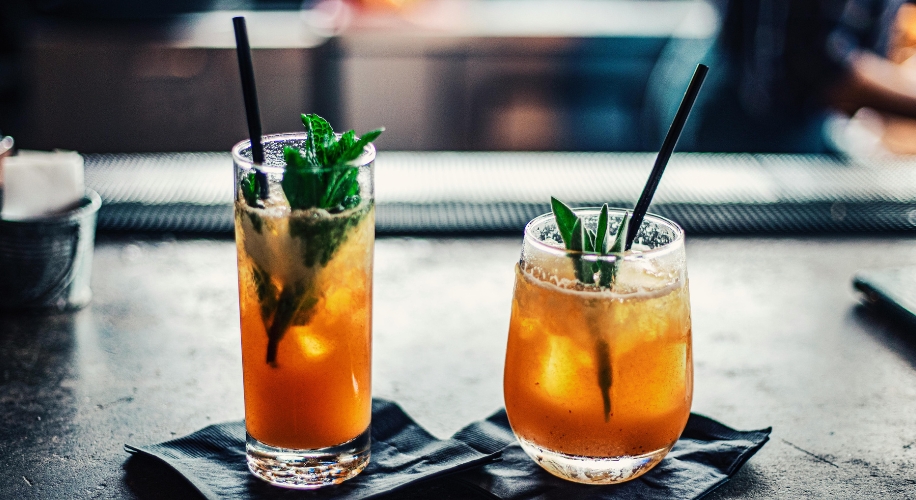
<point x="636" y="279"/>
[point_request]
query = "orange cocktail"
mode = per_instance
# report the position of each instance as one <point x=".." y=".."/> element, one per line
<point x="316" y="392"/>
<point x="599" y="379"/>
<point x="305" y="296"/>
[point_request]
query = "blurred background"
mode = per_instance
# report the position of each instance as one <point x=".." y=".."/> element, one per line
<point x="789" y="76"/>
<point x="161" y="75"/>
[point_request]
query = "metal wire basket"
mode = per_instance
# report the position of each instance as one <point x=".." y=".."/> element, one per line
<point x="45" y="263"/>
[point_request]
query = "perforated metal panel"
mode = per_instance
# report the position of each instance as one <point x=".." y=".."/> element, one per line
<point x="501" y="192"/>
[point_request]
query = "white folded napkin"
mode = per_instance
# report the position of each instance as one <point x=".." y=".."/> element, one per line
<point x="37" y="183"/>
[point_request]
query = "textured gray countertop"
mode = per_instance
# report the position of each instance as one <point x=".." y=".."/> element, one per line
<point x="778" y="340"/>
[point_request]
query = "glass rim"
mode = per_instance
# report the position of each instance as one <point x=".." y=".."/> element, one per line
<point x="367" y="157"/>
<point x="656" y="252"/>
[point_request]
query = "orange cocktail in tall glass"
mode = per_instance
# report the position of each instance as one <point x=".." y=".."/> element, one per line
<point x="599" y="379"/>
<point x="305" y="288"/>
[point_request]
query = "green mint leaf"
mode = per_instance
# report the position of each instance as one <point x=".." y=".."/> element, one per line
<point x="345" y="186"/>
<point x="301" y="184"/>
<point x="579" y="238"/>
<point x="304" y="314"/>
<point x="576" y="237"/>
<point x="266" y="291"/>
<point x="369" y="136"/>
<point x="601" y="242"/>
<point x="250" y="189"/>
<point x="319" y="131"/>
<point x="588" y="268"/>
<point x="621" y="238"/>
<point x="608" y="269"/>
<point x="343" y="145"/>
<point x="585" y="270"/>
<point x="312" y="178"/>
<point x="608" y="272"/>
<point x="353" y="187"/>
<point x="566" y="219"/>
<point x="332" y="180"/>
<point x="588" y="242"/>
<point x="354" y="151"/>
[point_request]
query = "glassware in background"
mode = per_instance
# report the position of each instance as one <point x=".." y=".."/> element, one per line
<point x="599" y="380"/>
<point x="305" y="292"/>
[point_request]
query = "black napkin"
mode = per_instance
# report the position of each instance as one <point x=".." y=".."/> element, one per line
<point x="704" y="458"/>
<point x="213" y="459"/>
<point x="483" y="460"/>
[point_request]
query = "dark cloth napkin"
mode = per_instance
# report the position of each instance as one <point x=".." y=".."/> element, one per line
<point x="213" y="459"/>
<point x="483" y="460"/>
<point x="704" y="458"/>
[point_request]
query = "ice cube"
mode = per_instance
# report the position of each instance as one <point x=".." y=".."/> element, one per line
<point x="641" y="275"/>
<point x="312" y="345"/>
<point x="565" y="367"/>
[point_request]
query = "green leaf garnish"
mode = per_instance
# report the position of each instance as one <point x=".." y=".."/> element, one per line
<point x="621" y="239"/>
<point x="578" y="238"/>
<point x="319" y="175"/>
<point x="601" y="236"/>
<point x="565" y="219"/>
<point x="267" y="292"/>
<point x="608" y="269"/>
<point x="588" y="241"/>
<point x="249" y="186"/>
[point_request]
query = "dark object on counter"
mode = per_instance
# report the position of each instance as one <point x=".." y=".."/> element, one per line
<point x="483" y="461"/>
<point x="891" y="291"/>
<point x="46" y="262"/>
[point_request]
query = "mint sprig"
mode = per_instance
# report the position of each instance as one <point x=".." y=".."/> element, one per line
<point x="579" y="238"/>
<point x="319" y="175"/>
<point x="249" y="185"/>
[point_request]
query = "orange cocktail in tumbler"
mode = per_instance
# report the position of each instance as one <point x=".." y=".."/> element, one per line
<point x="305" y="248"/>
<point x="599" y="375"/>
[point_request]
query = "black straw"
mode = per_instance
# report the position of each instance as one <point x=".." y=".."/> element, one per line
<point x="661" y="161"/>
<point x="252" y="112"/>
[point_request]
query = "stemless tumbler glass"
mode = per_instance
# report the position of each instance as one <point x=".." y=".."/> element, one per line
<point x="599" y="379"/>
<point x="305" y="293"/>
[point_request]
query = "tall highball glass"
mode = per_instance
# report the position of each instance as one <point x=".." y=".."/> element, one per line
<point x="305" y="293"/>
<point x="599" y="379"/>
